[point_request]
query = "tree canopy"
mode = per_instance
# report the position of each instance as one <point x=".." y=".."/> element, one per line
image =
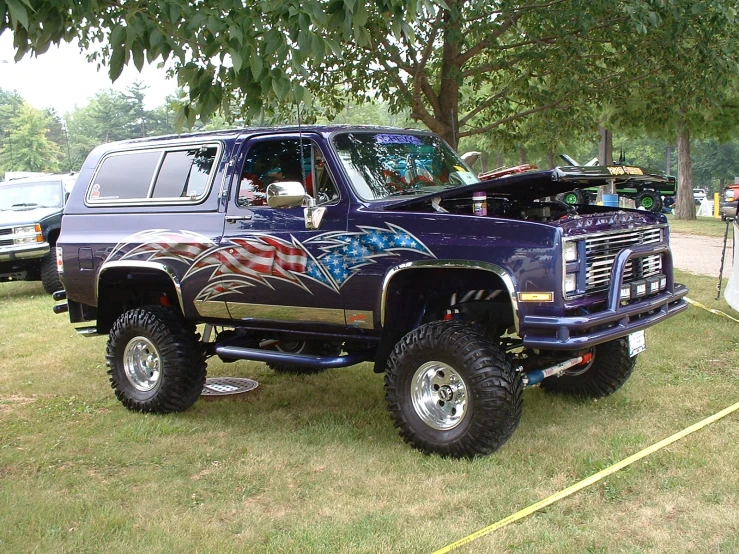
<point x="462" y="68"/>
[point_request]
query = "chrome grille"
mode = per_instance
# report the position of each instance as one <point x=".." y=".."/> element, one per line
<point x="6" y="231"/>
<point x="601" y="251"/>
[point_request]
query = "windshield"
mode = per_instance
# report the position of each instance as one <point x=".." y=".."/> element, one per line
<point x="381" y="165"/>
<point x="47" y="194"/>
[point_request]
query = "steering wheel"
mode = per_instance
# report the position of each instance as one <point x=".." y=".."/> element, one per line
<point x="393" y="180"/>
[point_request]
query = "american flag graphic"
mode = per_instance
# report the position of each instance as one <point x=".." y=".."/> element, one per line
<point x="239" y="263"/>
<point x="255" y="259"/>
<point x="344" y="253"/>
<point x="162" y="244"/>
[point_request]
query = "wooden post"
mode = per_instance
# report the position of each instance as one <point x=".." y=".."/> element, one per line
<point x="605" y="157"/>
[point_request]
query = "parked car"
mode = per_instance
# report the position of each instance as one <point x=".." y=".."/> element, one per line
<point x="317" y="247"/>
<point x="699" y="195"/>
<point x="728" y="203"/>
<point x="30" y="221"/>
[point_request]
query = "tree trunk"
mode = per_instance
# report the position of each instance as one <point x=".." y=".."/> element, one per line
<point x="499" y="161"/>
<point x="550" y="159"/>
<point x="685" y="204"/>
<point x="668" y="159"/>
<point x="522" y="155"/>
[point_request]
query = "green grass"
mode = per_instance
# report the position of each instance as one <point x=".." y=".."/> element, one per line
<point x="313" y="464"/>
<point x="708" y="226"/>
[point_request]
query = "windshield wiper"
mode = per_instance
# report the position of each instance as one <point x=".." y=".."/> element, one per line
<point x="23" y="205"/>
<point x="405" y="192"/>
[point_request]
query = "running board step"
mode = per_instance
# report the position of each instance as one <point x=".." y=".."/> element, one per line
<point x="303" y="360"/>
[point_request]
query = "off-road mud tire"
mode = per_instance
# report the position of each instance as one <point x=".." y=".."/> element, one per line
<point x="176" y="346"/>
<point x="50" y="274"/>
<point x="307" y="347"/>
<point x="610" y="368"/>
<point x="572" y="197"/>
<point x="494" y="391"/>
<point x="649" y="200"/>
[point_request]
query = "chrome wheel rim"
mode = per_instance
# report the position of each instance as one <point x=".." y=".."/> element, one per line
<point x="439" y="395"/>
<point x="142" y="364"/>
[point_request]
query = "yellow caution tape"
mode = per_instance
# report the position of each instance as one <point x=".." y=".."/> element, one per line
<point x="717" y="312"/>
<point x="589" y="481"/>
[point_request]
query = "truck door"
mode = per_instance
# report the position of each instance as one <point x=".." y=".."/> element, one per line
<point x="267" y="269"/>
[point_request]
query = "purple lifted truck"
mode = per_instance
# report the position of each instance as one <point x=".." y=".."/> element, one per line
<point x="320" y="247"/>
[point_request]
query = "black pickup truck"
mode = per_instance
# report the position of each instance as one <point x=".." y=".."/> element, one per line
<point x="310" y="248"/>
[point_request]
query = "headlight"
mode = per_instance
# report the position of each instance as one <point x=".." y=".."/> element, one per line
<point x="27" y="234"/>
<point x="570" y="251"/>
<point x="570" y="282"/>
<point x="25" y="230"/>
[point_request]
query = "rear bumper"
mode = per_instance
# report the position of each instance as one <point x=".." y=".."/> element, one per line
<point x="614" y="322"/>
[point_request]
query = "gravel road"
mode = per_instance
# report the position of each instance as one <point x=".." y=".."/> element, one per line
<point x="699" y="254"/>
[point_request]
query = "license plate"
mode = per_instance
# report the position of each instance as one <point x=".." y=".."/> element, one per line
<point x="637" y="343"/>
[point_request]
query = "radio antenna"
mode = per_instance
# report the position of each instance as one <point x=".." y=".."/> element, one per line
<point x="302" y="155"/>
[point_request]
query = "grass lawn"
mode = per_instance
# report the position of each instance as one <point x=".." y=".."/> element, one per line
<point x="708" y="226"/>
<point x="313" y="464"/>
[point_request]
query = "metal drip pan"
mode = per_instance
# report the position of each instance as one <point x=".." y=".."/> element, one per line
<point x="227" y="386"/>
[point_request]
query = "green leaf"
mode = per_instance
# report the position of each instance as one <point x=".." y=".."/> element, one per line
<point x="255" y="62"/>
<point x="155" y="38"/>
<point x="174" y="13"/>
<point x="18" y="13"/>
<point x="118" y="36"/>
<point x="235" y="32"/>
<point x="281" y="87"/>
<point x="273" y="41"/>
<point x="298" y="92"/>
<point x="116" y="62"/>
<point x="236" y="60"/>
<point x="137" y="51"/>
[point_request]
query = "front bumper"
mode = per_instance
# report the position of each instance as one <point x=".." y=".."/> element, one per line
<point x="14" y="253"/>
<point x="616" y="320"/>
<point x="728" y="209"/>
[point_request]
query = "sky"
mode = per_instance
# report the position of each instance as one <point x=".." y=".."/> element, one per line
<point x="62" y="78"/>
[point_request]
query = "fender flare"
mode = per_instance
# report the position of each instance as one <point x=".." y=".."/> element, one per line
<point x="449" y="264"/>
<point x="156" y="266"/>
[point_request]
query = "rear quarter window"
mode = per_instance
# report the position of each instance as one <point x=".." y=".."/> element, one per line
<point x="162" y="175"/>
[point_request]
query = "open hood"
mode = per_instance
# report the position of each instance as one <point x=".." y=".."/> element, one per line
<point x="532" y="185"/>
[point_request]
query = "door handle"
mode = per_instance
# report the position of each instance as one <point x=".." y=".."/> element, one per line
<point x="234" y="218"/>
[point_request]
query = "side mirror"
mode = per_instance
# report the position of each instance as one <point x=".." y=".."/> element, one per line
<point x="287" y="194"/>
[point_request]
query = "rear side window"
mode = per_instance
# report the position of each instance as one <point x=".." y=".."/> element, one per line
<point x="181" y="174"/>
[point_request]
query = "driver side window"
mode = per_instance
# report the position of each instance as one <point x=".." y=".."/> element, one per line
<point x="278" y="160"/>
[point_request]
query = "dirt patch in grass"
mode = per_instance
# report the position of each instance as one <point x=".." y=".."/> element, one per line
<point x="9" y="404"/>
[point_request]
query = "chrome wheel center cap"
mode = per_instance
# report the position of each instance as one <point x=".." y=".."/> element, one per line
<point x="445" y="393"/>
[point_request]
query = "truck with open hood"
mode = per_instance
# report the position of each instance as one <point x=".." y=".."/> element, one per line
<point x="311" y="248"/>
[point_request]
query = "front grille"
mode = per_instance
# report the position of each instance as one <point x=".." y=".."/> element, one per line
<point x="6" y="231"/>
<point x="601" y="251"/>
<point x="6" y="242"/>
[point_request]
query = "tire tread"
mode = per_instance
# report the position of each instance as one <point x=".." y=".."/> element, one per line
<point x="497" y="390"/>
<point x="182" y="357"/>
